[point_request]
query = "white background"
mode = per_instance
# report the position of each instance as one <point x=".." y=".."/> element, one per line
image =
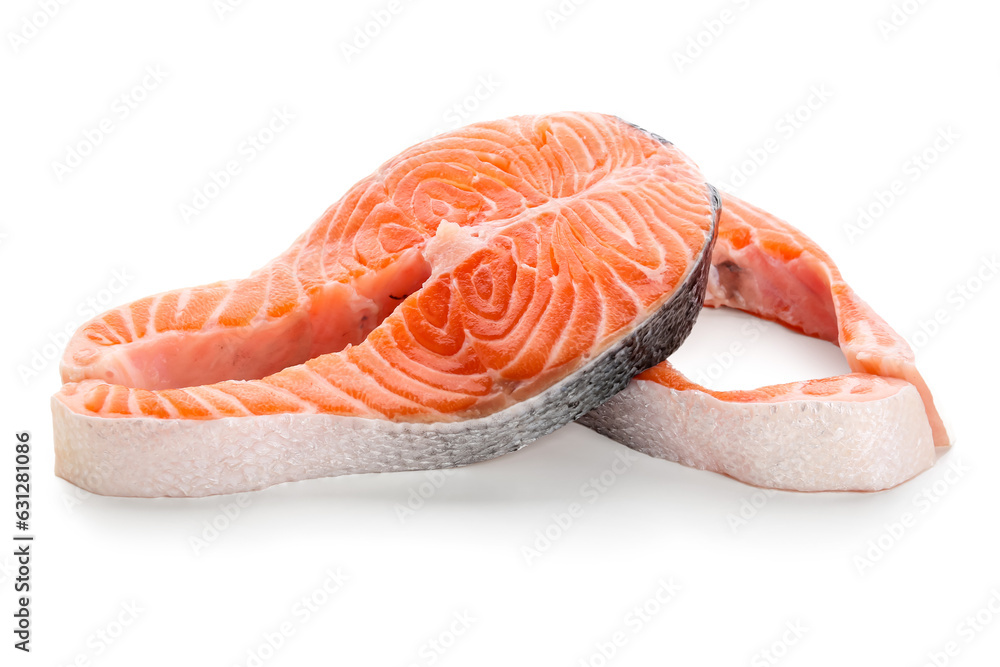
<point x="885" y="96"/>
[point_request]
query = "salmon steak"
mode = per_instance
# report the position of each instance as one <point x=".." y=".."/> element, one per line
<point x="478" y="291"/>
<point x="869" y="430"/>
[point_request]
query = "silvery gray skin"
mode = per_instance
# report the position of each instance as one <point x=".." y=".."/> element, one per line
<point x="185" y="459"/>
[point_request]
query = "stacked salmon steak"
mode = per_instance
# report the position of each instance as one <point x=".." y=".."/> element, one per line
<point x="478" y="291"/>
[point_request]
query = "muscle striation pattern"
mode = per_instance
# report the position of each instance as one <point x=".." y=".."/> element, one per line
<point x="468" y="273"/>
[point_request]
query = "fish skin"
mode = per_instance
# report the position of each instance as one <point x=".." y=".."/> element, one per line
<point x="127" y="423"/>
<point x="795" y="445"/>
<point x="865" y="431"/>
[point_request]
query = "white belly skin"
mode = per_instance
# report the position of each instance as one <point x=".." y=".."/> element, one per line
<point x="796" y="445"/>
<point x="148" y="457"/>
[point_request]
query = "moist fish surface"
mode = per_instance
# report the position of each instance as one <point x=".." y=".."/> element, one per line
<point x="476" y="292"/>
<point x="869" y="430"/>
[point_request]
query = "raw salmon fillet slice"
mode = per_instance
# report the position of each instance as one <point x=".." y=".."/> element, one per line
<point x="868" y="430"/>
<point x="478" y="291"/>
